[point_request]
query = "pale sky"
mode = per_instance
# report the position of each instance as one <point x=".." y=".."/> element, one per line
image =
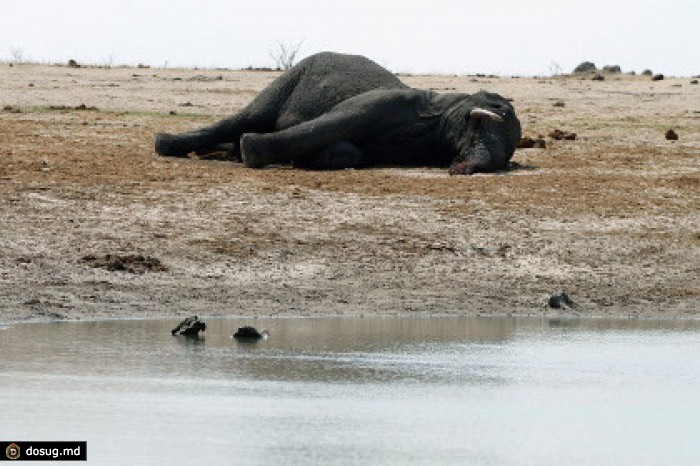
<point x="506" y="37"/>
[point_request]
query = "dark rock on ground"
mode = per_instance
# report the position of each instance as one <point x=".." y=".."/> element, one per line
<point x="250" y="333"/>
<point x="73" y="64"/>
<point x="131" y="263"/>
<point x="657" y="77"/>
<point x="598" y="77"/>
<point x="694" y="81"/>
<point x="559" y="103"/>
<point x="671" y="135"/>
<point x="189" y="327"/>
<point x="561" y="300"/>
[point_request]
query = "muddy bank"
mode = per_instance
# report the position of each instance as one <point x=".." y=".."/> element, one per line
<point x="95" y="225"/>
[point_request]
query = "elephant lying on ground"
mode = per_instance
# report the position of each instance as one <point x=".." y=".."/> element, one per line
<point x="334" y="111"/>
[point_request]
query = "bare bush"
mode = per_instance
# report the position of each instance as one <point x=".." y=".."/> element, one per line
<point x="285" y="54"/>
<point x="17" y="55"/>
<point x="555" y="69"/>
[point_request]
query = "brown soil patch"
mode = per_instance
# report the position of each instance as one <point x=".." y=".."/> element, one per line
<point x="131" y="263"/>
<point x="612" y="216"/>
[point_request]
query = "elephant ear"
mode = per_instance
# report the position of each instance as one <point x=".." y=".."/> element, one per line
<point x="434" y="104"/>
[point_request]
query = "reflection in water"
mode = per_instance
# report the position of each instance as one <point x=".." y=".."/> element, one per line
<point x="348" y="390"/>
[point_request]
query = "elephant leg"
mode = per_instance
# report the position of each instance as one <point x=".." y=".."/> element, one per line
<point x="259" y="116"/>
<point x="356" y="119"/>
<point x="336" y="156"/>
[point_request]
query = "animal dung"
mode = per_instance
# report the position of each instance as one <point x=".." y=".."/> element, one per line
<point x="529" y="143"/>
<point x="558" y="135"/>
<point x="671" y="135"/>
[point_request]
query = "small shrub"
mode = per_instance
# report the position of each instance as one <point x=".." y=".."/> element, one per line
<point x="585" y="67"/>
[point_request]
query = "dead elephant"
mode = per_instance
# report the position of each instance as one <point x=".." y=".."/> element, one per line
<point x="334" y="111"/>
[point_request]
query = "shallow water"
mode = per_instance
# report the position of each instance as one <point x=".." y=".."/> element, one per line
<point x="359" y="390"/>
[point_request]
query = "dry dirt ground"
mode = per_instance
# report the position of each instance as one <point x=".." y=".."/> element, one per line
<point x="95" y="225"/>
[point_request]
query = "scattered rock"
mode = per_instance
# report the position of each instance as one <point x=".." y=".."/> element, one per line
<point x="203" y="78"/>
<point x="658" y="77"/>
<point x="11" y="109"/>
<point x="585" y="67"/>
<point x="561" y="300"/>
<point x="131" y="263"/>
<point x="85" y="107"/>
<point x="528" y="143"/>
<point x="598" y="77"/>
<point x="559" y="103"/>
<point x="558" y="135"/>
<point x="671" y="135"/>
<point x="250" y="333"/>
<point x="189" y="327"/>
<point x="694" y="81"/>
<point x="73" y="64"/>
<point x="612" y="69"/>
<point x="647" y="73"/>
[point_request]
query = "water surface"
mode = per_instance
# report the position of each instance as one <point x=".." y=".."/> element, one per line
<point x="359" y="390"/>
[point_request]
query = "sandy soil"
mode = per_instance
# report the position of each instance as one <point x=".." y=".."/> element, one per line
<point x="95" y="225"/>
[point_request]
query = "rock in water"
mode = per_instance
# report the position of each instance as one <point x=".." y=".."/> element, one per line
<point x="561" y="300"/>
<point x="189" y="327"/>
<point x="250" y="333"/>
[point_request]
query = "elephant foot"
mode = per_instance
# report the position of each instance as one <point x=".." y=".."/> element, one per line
<point x="254" y="152"/>
<point x="167" y="145"/>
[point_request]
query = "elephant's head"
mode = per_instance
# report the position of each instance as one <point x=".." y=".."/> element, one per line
<point x="485" y="131"/>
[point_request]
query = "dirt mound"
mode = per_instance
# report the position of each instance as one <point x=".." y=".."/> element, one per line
<point x="131" y="263"/>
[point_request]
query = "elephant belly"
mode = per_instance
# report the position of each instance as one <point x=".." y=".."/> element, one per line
<point x="412" y="145"/>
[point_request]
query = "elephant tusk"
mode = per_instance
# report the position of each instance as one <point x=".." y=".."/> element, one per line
<point x="479" y="112"/>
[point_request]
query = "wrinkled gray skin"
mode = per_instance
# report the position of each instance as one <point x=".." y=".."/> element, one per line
<point x="334" y="111"/>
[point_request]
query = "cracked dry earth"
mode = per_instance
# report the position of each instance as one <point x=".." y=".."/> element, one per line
<point x="612" y="217"/>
